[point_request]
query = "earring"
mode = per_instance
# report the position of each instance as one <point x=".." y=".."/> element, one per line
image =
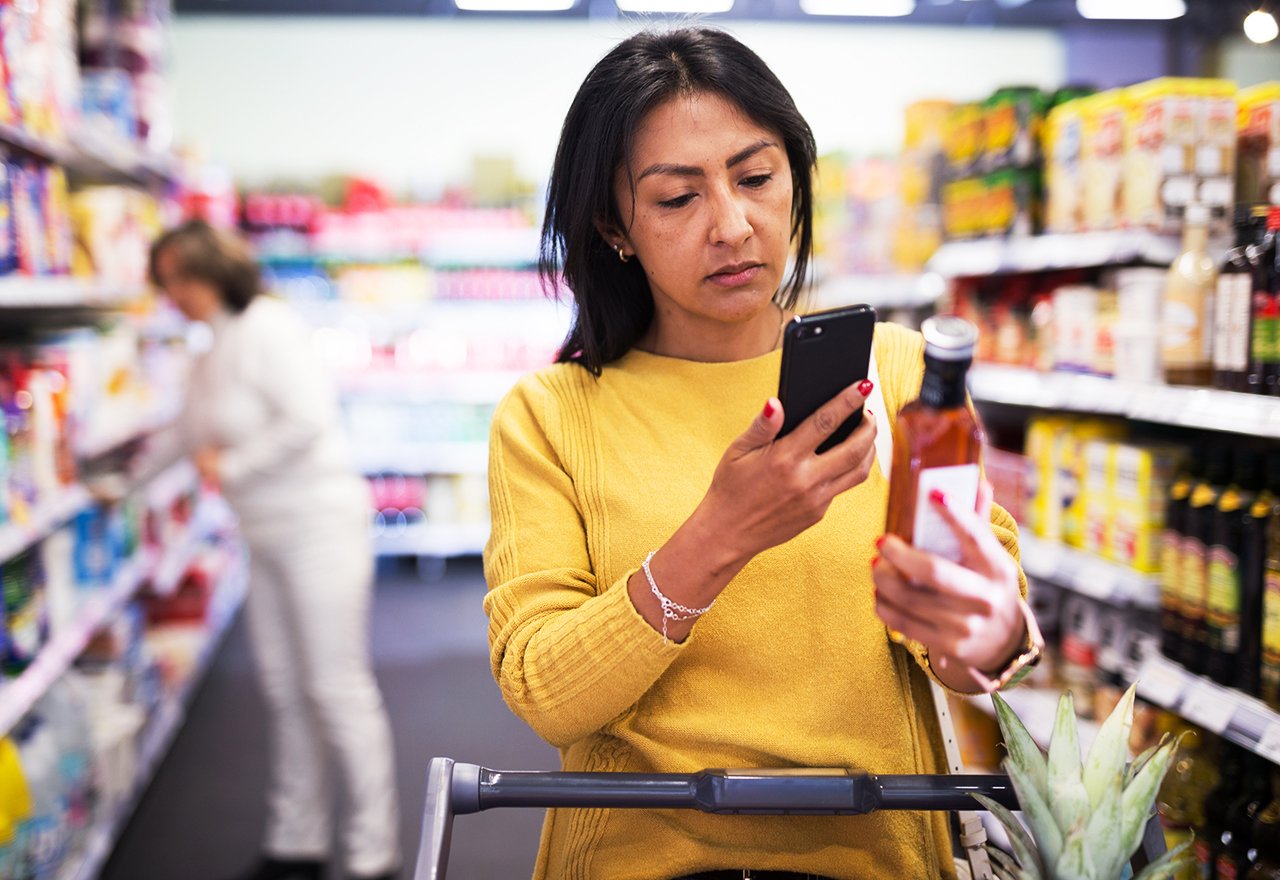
<point x="621" y="256"/>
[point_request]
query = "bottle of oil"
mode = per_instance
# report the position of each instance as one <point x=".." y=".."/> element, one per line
<point x="1271" y="607"/>
<point x="1198" y="535"/>
<point x="1217" y="806"/>
<point x="1234" y="858"/>
<point x="1233" y="302"/>
<point x="1172" y="623"/>
<point x="1253" y="561"/>
<point x="937" y="441"/>
<point x="1266" y="836"/>
<point x="1224" y="570"/>
<point x="1264" y="344"/>
<point x="1186" y="344"/>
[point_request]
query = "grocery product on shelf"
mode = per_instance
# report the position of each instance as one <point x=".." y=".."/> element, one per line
<point x="1192" y="775"/>
<point x="1234" y="856"/>
<point x="1264" y="344"/>
<point x="1187" y="330"/>
<point x="1253" y="523"/>
<point x="25" y="611"/>
<point x="1196" y="537"/>
<point x="1217" y="805"/>
<point x="37" y="44"/>
<point x="123" y="57"/>
<point x="1172" y="624"/>
<point x="1225" y="583"/>
<point x="1270" y="674"/>
<point x="1257" y="173"/>
<point x="1266" y="836"/>
<point x="1233" y="302"/>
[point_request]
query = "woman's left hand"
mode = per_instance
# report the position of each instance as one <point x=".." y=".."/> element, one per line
<point x="969" y="615"/>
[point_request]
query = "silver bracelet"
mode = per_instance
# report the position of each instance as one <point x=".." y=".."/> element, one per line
<point x="671" y="609"/>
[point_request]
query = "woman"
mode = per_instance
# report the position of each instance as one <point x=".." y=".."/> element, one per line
<point x="261" y="424"/>
<point x="628" y="500"/>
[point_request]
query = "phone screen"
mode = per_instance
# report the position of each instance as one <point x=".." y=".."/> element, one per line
<point x="822" y="354"/>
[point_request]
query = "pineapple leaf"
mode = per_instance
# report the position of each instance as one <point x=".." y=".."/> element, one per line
<point x="1140" y="761"/>
<point x="1110" y="749"/>
<point x="1139" y="797"/>
<point x="1073" y="864"/>
<point x="1070" y="801"/>
<point x="1044" y="827"/>
<point x="1023" y="846"/>
<point x="1168" y="864"/>
<point x="1003" y="865"/>
<point x="1106" y="857"/>
<point x="1022" y="749"/>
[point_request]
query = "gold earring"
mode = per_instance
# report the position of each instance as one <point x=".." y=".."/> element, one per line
<point x="622" y="256"/>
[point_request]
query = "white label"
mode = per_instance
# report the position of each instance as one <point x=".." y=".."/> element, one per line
<point x="1209" y="161"/>
<point x="931" y="532"/>
<point x="1207" y="705"/>
<point x="1160" y="681"/>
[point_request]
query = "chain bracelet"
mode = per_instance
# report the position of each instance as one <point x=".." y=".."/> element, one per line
<point x="671" y="609"/>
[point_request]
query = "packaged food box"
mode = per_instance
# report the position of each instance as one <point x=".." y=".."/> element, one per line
<point x="1180" y="148"/>
<point x="1013" y="120"/>
<point x="1143" y="474"/>
<point x="1096" y="494"/>
<point x="1103" y="159"/>
<point x="1070" y="474"/>
<point x="1258" y="145"/>
<point x="1064" y="168"/>
<point x="1043" y="506"/>
<point x="963" y="140"/>
<point x="964" y="208"/>
<point x="1013" y="202"/>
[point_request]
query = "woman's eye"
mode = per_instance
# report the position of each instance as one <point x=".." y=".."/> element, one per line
<point x="677" y="202"/>
<point x="757" y="181"/>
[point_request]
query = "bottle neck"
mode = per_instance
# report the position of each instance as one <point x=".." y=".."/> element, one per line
<point x="943" y="384"/>
<point x="1195" y="238"/>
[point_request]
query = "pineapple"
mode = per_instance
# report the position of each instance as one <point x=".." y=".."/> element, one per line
<point x="1085" y="820"/>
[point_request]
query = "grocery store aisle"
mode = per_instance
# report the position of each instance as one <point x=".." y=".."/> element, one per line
<point x="200" y="818"/>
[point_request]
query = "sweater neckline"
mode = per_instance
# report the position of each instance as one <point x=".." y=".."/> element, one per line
<point x="639" y="358"/>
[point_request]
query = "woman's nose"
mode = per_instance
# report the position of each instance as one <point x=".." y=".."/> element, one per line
<point x="730" y="224"/>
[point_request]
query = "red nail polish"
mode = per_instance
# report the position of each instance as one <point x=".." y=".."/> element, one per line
<point x="937" y="496"/>
<point x="880" y="541"/>
<point x="865" y="386"/>
<point x="768" y="409"/>
<point x="875" y="560"/>
<point x="870" y="413"/>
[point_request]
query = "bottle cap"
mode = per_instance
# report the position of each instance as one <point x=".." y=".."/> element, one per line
<point x="949" y="338"/>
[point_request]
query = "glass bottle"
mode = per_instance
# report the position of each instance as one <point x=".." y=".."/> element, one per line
<point x="1234" y="859"/>
<point x="1266" y="836"/>
<point x="1198" y="535"/>
<point x="1217" y="806"/>
<point x="1253" y="561"/>
<point x="1224" y="590"/>
<point x="1192" y="775"/>
<point x="1271" y="606"/>
<point x="1233" y="302"/>
<point x="1264" y="344"/>
<point x="1186" y="347"/>
<point x="937" y="441"/>
<point x="1172" y="623"/>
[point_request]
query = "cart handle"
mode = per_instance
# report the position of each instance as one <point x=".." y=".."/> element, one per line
<point x="458" y="789"/>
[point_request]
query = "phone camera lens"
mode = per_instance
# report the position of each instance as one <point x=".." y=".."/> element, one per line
<point x="817" y="331"/>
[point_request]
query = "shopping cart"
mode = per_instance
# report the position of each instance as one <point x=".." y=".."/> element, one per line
<point x="455" y="789"/>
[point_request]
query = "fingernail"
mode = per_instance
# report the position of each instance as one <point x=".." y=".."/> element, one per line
<point x="865" y="386"/>
<point x="875" y="560"/>
<point x="870" y="413"/>
<point x="937" y="496"/>
<point x="880" y="541"/>
<point x="768" y="409"/>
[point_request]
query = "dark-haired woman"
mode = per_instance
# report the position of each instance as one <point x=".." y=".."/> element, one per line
<point x="260" y="422"/>
<point x="672" y="586"/>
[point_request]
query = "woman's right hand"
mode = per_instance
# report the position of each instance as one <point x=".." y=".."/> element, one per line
<point x="767" y="490"/>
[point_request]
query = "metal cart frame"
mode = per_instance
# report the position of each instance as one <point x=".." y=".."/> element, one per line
<point x="455" y="789"/>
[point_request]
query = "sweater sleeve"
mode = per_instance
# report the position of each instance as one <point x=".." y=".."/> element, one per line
<point x="570" y="654"/>
<point x="901" y="353"/>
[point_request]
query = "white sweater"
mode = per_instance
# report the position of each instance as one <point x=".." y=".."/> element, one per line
<point x="262" y="397"/>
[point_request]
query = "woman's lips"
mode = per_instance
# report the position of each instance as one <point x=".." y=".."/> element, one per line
<point x="736" y="278"/>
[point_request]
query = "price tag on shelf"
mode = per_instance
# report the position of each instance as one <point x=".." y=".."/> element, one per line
<point x="1269" y="744"/>
<point x="1207" y="705"/>
<point x="1160" y="681"/>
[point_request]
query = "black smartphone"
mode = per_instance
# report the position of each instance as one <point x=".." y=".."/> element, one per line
<point x="823" y="354"/>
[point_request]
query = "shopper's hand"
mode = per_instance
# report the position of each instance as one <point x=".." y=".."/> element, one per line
<point x="767" y="490"/>
<point x="206" y="460"/>
<point x="968" y="615"/>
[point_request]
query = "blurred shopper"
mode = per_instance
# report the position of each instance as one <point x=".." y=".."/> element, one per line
<point x="261" y="423"/>
<point x="640" y="481"/>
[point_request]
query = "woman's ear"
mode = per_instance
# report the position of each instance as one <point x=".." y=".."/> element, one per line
<point x="612" y="235"/>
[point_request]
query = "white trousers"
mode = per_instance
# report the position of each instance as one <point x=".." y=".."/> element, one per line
<point x="310" y="585"/>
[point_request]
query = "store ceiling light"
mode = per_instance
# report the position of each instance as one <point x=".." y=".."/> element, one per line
<point x="1260" y="26"/>
<point x="869" y="8"/>
<point x="692" y="7"/>
<point x="1149" y="10"/>
<point x="514" y="5"/>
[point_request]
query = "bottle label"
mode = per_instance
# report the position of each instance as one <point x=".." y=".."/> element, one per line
<point x="1187" y="311"/>
<point x="930" y="531"/>
<point x="1233" y="304"/>
<point x="1204" y="857"/>
<point x="1223" y="607"/>
<point x="1227" y="868"/>
<point x="1170" y="566"/>
<point x="1194" y="579"/>
<point x="1271" y="624"/>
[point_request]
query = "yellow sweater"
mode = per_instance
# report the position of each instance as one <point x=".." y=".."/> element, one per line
<point x="790" y="668"/>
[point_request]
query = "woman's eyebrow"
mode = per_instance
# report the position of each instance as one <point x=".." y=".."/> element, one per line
<point x="694" y="171"/>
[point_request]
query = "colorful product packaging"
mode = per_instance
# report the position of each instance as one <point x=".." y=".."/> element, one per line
<point x="1013" y="119"/>
<point x="1258" y="145"/>
<point x="1070" y="473"/>
<point x="1103" y="171"/>
<point x="1096" y="492"/>
<point x="1043" y="504"/>
<point x="1064" y="168"/>
<point x="1143" y="475"/>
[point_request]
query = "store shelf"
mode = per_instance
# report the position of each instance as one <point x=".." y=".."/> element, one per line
<point x="147" y="424"/>
<point x="60" y="292"/>
<point x="44" y="518"/>
<point x="432" y="540"/>
<point x="425" y="458"/>
<point x="1204" y="408"/>
<point x="162" y="730"/>
<point x="18" y="695"/>
<point x="95" y="156"/>
<point x="1244" y="720"/>
<point x="498" y="247"/>
<point x="1038" y="709"/>
<point x="1040" y="253"/>
<point x="482" y="386"/>
<point x="1087" y="574"/>
<point x="882" y="292"/>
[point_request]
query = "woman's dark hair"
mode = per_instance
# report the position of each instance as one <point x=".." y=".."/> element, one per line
<point x="219" y="258"/>
<point x="614" y="303"/>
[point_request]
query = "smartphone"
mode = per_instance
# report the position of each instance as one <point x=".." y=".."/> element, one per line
<point x="823" y="354"/>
